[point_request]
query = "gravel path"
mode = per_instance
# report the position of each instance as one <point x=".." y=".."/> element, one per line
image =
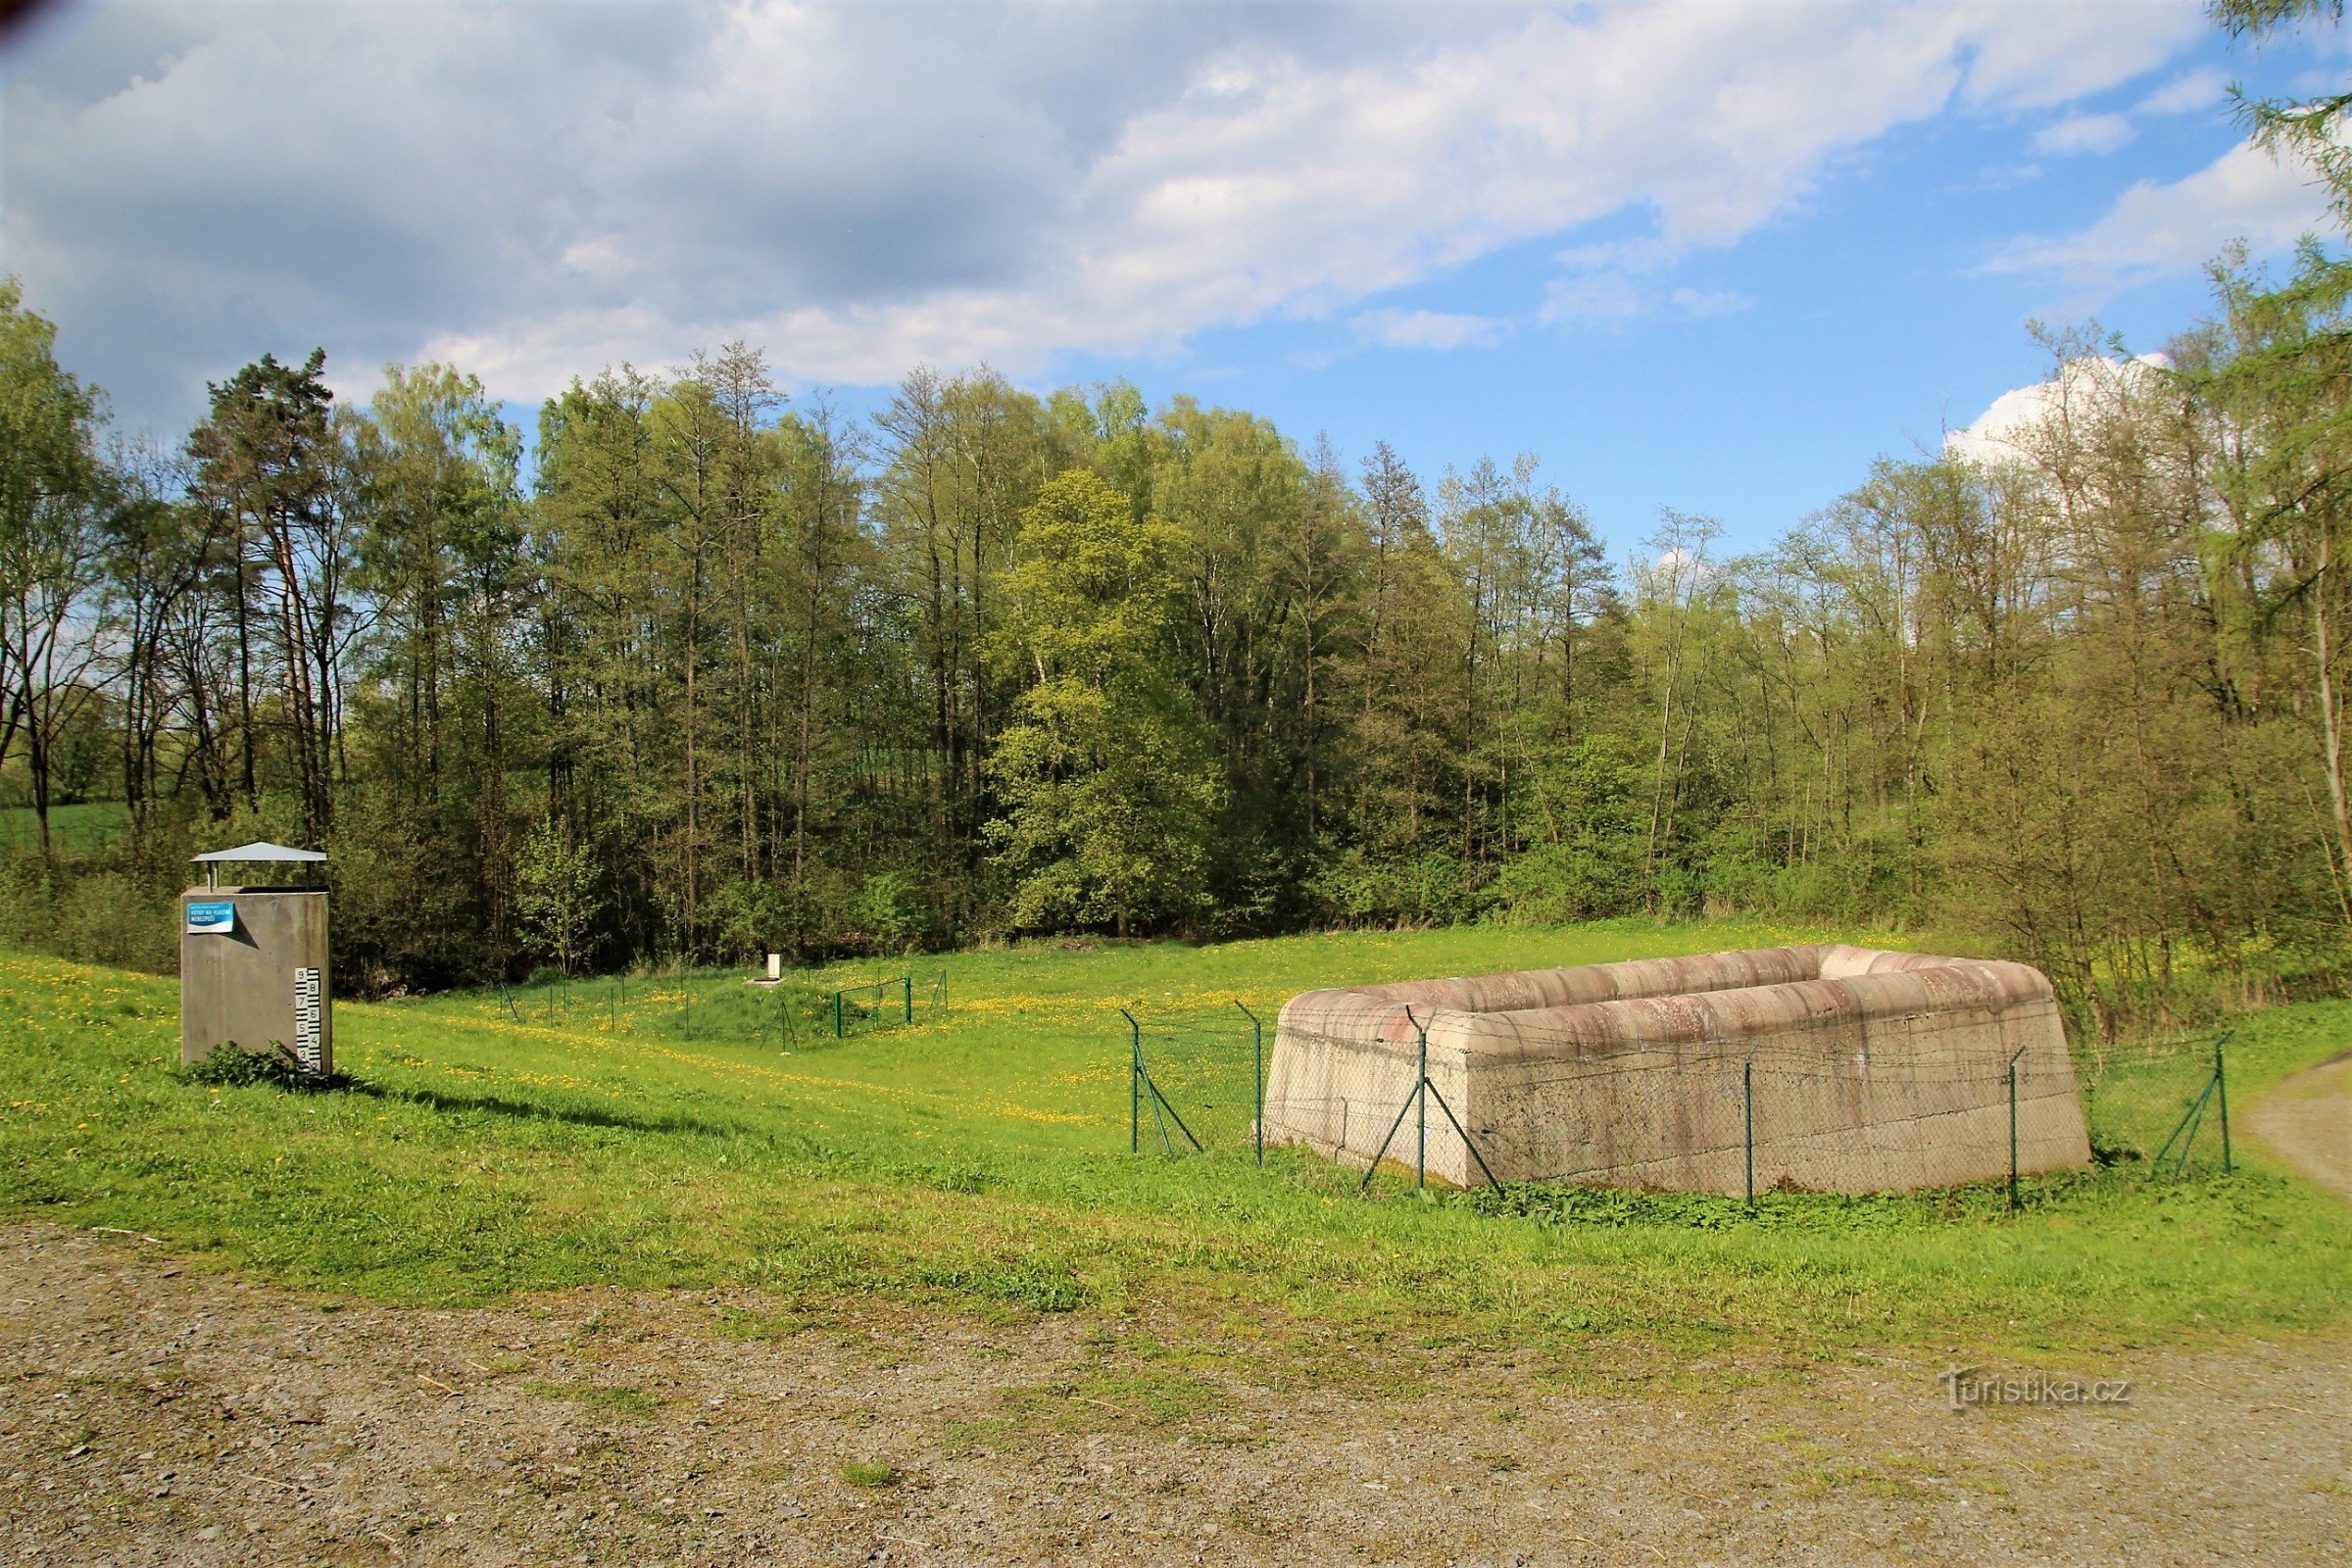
<point x="158" y="1415"/>
<point x="2307" y="1122"/>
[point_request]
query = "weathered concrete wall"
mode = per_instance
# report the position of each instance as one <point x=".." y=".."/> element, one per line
<point x="240" y="986"/>
<point x="1871" y="1071"/>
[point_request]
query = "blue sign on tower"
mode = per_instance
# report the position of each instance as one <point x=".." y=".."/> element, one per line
<point x="212" y="917"/>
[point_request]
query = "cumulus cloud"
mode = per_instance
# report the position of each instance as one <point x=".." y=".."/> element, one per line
<point x="2160" y="227"/>
<point x="533" y="190"/>
<point x="2009" y="428"/>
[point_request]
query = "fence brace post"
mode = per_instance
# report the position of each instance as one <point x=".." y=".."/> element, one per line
<point x="1135" y="1083"/>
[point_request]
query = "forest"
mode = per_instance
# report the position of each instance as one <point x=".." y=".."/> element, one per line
<point x="714" y="672"/>
<point x="699" y="670"/>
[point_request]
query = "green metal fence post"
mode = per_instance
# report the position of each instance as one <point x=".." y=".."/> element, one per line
<point x="1747" y="1116"/>
<point x="2013" y="1056"/>
<point x="908" y="980"/>
<point x="1421" y="1089"/>
<point x="2221" y="1086"/>
<point x="837" y="1016"/>
<point x="1257" y="1053"/>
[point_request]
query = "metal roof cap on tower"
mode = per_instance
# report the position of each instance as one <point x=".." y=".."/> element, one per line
<point x="260" y="850"/>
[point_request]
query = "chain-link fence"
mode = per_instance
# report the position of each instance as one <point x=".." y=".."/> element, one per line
<point x="1194" y="1080"/>
<point x="2161" y="1105"/>
<point x="795" y="1012"/>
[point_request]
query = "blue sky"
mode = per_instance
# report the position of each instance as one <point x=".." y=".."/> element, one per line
<point x="1713" y="255"/>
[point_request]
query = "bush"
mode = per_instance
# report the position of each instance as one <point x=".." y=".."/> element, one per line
<point x="1430" y="889"/>
<point x="233" y="1067"/>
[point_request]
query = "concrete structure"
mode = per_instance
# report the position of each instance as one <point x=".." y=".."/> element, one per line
<point x="254" y="966"/>
<point x="1871" y="1071"/>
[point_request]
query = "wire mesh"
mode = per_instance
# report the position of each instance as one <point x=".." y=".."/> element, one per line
<point x="1825" y="1104"/>
<point x="2144" y="1102"/>
<point x="1204" y="1063"/>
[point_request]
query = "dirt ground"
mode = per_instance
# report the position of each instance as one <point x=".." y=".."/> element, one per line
<point x="2307" y="1118"/>
<point x="157" y="1414"/>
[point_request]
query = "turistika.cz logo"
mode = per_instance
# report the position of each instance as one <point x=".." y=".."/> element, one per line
<point x="1968" y="1385"/>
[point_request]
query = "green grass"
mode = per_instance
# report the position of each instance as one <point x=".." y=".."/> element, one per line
<point x="618" y="1398"/>
<point x="642" y="1134"/>
<point x="75" y="829"/>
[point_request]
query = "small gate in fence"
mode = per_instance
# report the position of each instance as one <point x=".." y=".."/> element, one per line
<point x="1196" y="1063"/>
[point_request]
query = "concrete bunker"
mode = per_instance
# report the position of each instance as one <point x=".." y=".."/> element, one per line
<point x="1837" y="1068"/>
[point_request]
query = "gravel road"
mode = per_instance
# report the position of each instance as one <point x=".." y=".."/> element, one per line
<point x="158" y="1413"/>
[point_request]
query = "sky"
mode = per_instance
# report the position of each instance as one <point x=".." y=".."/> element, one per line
<point x="1708" y="254"/>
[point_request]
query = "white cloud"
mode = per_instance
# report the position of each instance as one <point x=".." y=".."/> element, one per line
<point x="2161" y="226"/>
<point x="1613" y="281"/>
<point x="536" y="189"/>
<point x="2006" y="431"/>
<point x="1698" y="301"/>
<point x="2084" y="133"/>
<point x="1428" y="329"/>
<point x="2039" y="56"/>
<point x="2187" y="93"/>
<point x="1585" y="297"/>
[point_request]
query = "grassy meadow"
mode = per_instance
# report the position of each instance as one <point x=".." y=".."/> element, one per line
<point x="672" y="1130"/>
<point x="79" y="829"/>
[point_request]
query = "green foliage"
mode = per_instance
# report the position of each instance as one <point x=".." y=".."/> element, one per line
<point x="234" y="1066"/>
<point x="1586" y="858"/>
<point x="86" y="899"/>
<point x="1430" y="889"/>
<point x="53" y="491"/>
<point x="892" y="909"/>
<point x="86" y="828"/>
<point x="555" y="898"/>
<point x="1106" y="777"/>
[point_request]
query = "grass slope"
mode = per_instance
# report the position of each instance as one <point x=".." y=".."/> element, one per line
<point x="643" y="1134"/>
<point x="83" y="828"/>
